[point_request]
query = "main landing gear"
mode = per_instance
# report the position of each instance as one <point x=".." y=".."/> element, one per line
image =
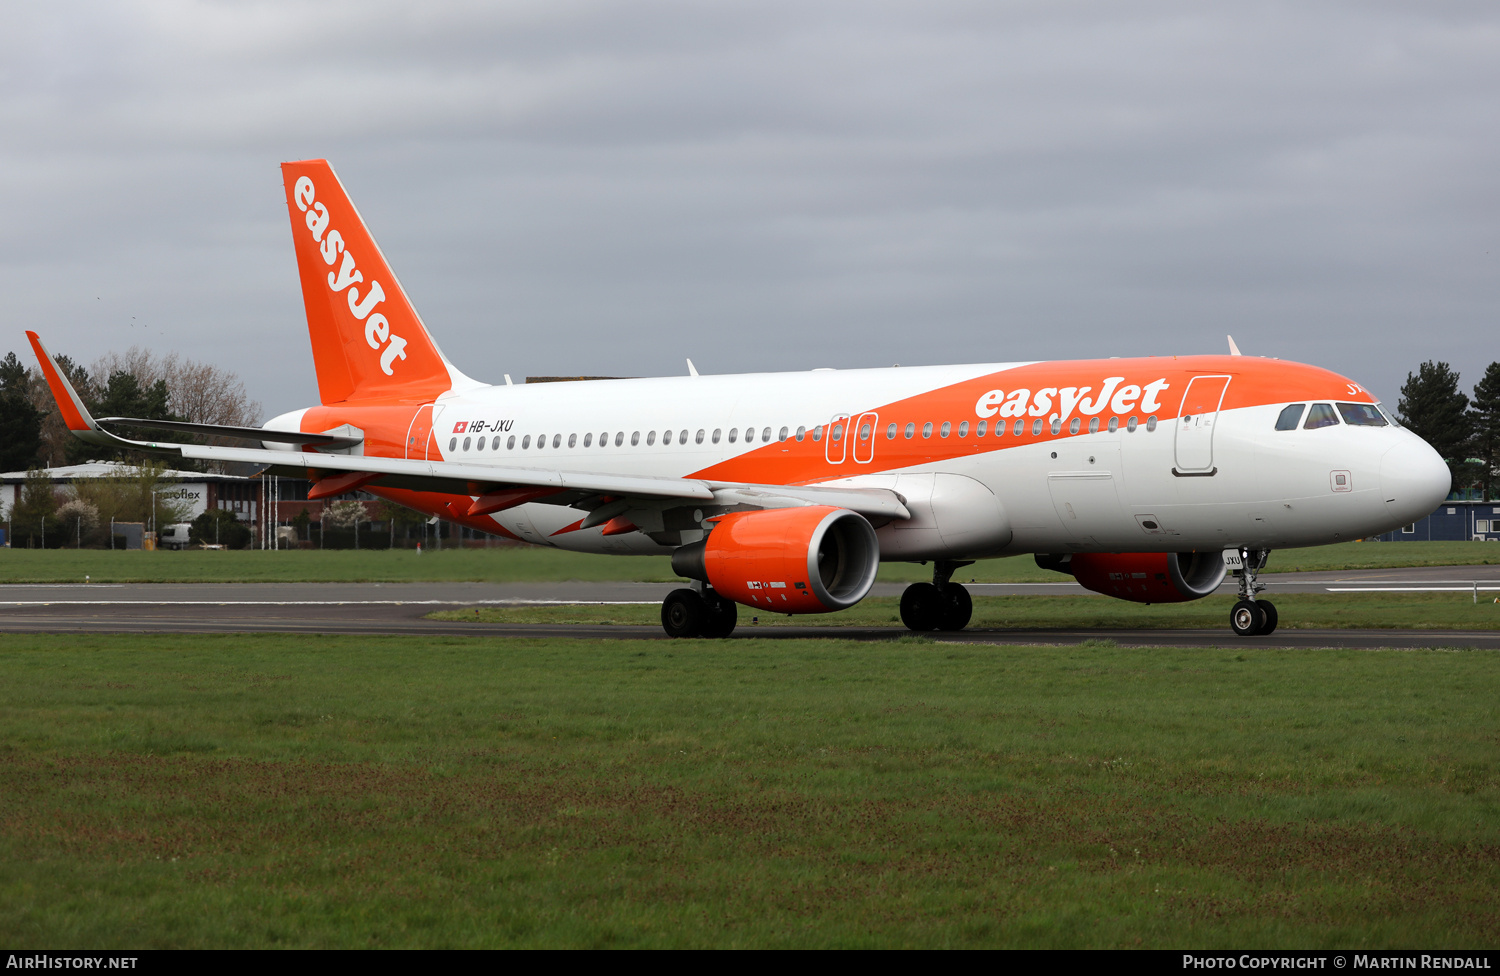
<point x="939" y="605"/>
<point x="691" y="613"/>
<point x="1251" y="617"/>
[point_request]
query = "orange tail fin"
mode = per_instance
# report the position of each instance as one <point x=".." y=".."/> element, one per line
<point x="368" y="341"/>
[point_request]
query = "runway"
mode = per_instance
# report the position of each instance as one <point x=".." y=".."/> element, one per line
<point x="373" y="609"/>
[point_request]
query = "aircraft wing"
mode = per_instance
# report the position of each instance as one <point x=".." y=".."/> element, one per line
<point x="490" y="487"/>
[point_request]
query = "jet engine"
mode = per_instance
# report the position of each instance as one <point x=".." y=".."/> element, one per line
<point x="814" y="559"/>
<point x="1143" y="577"/>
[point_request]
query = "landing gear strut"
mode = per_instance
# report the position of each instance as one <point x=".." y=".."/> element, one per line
<point x="1251" y="617"/>
<point x="939" y="605"/>
<point x="699" y="612"/>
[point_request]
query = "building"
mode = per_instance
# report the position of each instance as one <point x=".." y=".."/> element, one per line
<point x="1454" y="521"/>
<point x="201" y="491"/>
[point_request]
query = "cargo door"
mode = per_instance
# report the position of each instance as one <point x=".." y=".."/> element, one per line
<point x="1195" y="425"/>
<point x="1088" y="505"/>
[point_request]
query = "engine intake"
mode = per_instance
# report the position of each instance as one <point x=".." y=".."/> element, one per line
<point x="1143" y="577"/>
<point x="815" y="559"/>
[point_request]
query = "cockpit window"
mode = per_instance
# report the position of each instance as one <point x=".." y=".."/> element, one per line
<point x="1361" y="415"/>
<point x="1321" y="415"/>
<point x="1391" y="418"/>
<point x="1289" y="416"/>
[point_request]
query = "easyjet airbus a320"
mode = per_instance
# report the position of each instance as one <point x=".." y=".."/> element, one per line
<point x="1143" y="478"/>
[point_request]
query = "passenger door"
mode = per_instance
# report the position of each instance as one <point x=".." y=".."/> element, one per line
<point x="1195" y="425"/>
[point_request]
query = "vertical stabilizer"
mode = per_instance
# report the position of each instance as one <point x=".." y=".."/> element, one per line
<point x="368" y="341"/>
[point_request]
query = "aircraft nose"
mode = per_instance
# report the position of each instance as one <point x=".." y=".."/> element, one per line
<point x="1414" y="478"/>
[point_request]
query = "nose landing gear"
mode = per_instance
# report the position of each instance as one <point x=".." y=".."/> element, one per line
<point x="1250" y="617"/>
<point x="939" y="605"/>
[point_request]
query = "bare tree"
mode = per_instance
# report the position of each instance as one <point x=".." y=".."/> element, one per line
<point x="196" y="392"/>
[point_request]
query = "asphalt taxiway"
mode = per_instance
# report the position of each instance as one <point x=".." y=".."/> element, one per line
<point x="401" y="608"/>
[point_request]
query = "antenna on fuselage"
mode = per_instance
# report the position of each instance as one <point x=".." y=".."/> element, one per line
<point x="692" y="370"/>
<point x="1234" y="350"/>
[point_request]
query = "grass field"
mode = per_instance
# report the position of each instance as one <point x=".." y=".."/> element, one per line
<point x="274" y="791"/>
<point x="510" y="564"/>
<point x="1439" y="611"/>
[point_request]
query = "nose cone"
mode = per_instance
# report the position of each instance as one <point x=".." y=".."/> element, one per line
<point x="1414" y="478"/>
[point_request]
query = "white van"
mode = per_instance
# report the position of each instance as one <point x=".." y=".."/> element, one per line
<point x="174" y="536"/>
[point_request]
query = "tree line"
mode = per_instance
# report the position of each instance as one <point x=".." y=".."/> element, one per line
<point x="1464" y="429"/>
<point x="135" y="383"/>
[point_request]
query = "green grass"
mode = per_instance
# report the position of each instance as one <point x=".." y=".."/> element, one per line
<point x="275" y="791"/>
<point x="516" y="563"/>
<point x="1421" y="611"/>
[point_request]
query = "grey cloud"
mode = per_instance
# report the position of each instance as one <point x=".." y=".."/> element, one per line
<point x="607" y="188"/>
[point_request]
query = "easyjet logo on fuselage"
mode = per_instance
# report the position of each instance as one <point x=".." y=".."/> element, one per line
<point x="1120" y="400"/>
<point x="378" y="333"/>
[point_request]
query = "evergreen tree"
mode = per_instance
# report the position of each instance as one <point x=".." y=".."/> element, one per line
<point x="124" y="396"/>
<point x="1433" y="408"/>
<point x="20" y="422"/>
<point x="1484" y="419"/>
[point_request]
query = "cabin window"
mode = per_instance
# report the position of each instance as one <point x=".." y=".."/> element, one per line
<point x="1074" y="425"/>
<point x="734" y="434"/>
<point x="666" y="437"/>
<point x="635" y="439"/>
<point x="572" y="440"/>
<point x="1093" y="425"/>
<point x="1131" y="425"/>
<point x="525" y="442"/>
<point x="510" y="443"/>
<point x="783" y="434"/>
<point x="699" y="438"/>
<point x="682" y="437"/>
<point x="890" y="432"/>
<point x="588" y="440"/>
<point x="801" y="432"/>
<point x="1290" y="416"/>
<point x="650" y="437"/>
<point x="837" y="435"/>
<point x="557" y="440"/>
<point x="1361" y="415"/>
<point x="619" y="438"/>
<point x="1114" y="424"/>
<point x="817" y="433"/>
<point x="604" y="439"/>
<point x="1150" y="423"/>
<point x="1036" y="427"/>
<point x="979" y="431"/>
<point x="1057" y="426"/>
<point x="1320" y="415"/>
<point x="479" y="443"/>
<point x="452" y="443"/>
<point x="911" y="430"/>
<point x="466" y="443"/>
<point x="765" y="435"/>
<point x="945" y="430"/>
<point x="541" y="441"/>
<point x="495" y="444"/>
<point x="963" y="429"/>
<point x="718" y="432"/>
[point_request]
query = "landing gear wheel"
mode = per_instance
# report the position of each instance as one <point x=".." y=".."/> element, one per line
<point x="684" y="614"/>
<point x="957" y="608"/>
<point x="1246" y="618"/>
<point x="922" y="607"/>
<point x="1269" y="609"/>
<point x="721" y="617"/>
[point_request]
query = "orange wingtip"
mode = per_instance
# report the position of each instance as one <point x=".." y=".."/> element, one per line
<point x="75" y="415"/>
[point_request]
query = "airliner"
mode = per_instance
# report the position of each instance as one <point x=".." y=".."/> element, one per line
<point x="1145" y="479"/>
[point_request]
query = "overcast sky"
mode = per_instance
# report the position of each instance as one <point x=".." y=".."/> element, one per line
<point x="606" y="188"/>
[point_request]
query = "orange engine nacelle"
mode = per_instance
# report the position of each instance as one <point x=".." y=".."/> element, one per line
<point x="787" y="560"/>
<point x="1144" y="577"/>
